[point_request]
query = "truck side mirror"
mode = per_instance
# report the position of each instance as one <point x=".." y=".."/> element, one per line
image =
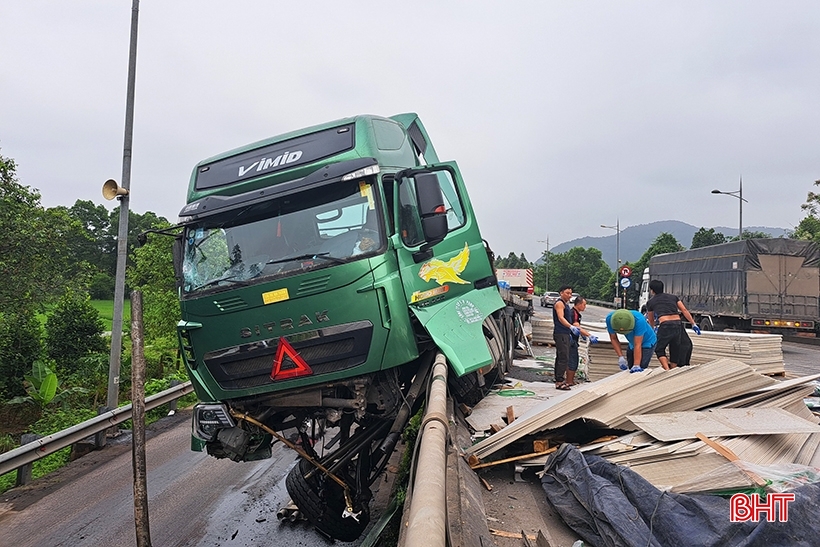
<point x="432" y="211"/>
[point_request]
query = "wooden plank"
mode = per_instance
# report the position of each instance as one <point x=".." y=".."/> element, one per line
<point x="513" y="535"/>
<point x="731" y="456"/>
<point x="514" y="458"/>
<point x="510" y="415"/>
<point x="540" y="445"/>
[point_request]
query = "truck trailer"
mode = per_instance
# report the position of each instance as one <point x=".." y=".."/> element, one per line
<point x="519" y="281"/>
<point x="752" y="285"/>
<point x="319" y="274"/>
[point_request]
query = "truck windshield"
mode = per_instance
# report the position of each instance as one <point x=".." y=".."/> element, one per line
<point x="287" y="235"/>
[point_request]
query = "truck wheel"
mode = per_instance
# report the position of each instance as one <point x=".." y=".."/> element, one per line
<point x="322" y="501"/>
<point x="465" y="388"/>
<point x="706" y="323"/>
<point x="509" y="343"/>
<point x="495" y="343"/>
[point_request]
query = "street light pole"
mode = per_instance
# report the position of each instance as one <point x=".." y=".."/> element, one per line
<point x="738" y="194"/>
<point x="617" y="229"/>
<point x="546" y="263"/>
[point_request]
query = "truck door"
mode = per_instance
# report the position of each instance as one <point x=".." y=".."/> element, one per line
<point x="446" y="273"/>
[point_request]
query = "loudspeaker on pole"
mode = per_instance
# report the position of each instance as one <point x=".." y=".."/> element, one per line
<point x="111" y="190"/>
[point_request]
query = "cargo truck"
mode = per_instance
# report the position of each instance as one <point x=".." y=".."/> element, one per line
<point x="753" y="285"/>
<point x="520" y="283"/>
<point x="319" y="273"/>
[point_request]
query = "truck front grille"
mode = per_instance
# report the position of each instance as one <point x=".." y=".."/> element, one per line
<point x="326" y="350"/>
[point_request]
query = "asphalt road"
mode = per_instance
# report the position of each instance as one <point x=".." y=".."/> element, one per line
<point x="194" y="499"/>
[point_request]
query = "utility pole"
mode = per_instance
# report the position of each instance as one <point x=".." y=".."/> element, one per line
<point x="122" y="233"/>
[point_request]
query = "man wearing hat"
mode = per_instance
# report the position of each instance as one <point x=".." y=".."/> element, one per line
<point x="638" y="332"/>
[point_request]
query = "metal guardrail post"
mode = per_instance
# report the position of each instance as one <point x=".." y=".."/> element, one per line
<point x="172" y="406"/>
<point x="100" y="437"/>
<point x="24" y="472"/>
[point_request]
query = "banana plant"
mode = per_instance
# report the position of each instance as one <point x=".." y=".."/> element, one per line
<point x="42" y="387"/>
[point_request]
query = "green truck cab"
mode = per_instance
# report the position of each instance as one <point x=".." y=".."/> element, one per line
<point x="319" y="272"/>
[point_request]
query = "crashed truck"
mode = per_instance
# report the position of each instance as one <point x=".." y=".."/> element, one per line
<point x="319" y="273"/>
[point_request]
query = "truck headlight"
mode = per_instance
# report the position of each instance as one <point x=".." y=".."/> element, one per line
<point x="209" y="419"/>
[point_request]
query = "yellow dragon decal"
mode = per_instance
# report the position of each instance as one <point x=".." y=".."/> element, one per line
<point x="446" y="272"/>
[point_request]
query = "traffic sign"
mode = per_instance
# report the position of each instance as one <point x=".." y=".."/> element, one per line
<point x="626" y="271"/>
<point x="625" y="282"/>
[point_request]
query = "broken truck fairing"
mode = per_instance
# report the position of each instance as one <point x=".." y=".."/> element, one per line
<point x="318" y="273"/>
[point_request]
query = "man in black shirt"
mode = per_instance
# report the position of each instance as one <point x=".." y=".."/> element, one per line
<point x="562" y="332"/>
<point x="666" y="309"/>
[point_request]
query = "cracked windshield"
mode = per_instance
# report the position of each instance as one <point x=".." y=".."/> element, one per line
<point x="286" y="235"/>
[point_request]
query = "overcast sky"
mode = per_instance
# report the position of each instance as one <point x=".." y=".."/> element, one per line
<point x="562" y="115"/>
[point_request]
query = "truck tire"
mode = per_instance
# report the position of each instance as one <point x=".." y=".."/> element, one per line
<point x="324" y="511"/>
<point x="706" y="323"/>
<point x="495" y="343"/>
<point x="509" y="343"/>
<point x="465" y="388"/>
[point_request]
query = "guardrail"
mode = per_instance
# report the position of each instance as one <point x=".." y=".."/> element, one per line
<point x="602" y="303"/>
<point x="30" y="452"/>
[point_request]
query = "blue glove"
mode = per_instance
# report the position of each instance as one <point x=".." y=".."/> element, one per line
<point x="656" y="329"/>
<point x="636" y="368"/>
<point x="593" y="339"/>
<point x="622" y="363"/>
<point x="575" y="331"/>
<point x="696" y="329"/>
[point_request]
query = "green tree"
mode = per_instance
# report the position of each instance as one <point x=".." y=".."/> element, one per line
<point x="94" y="242"/>
<point x="583" y="269"/>
<point x="74" y="331"/>
<point x="513" y="262"/>
<point x="664" y="243"/>
<point x="752" y="235"/>
<point x="705" y="238"/>
<point x="20" y="345"/>
<point x="152" y="272"/>
<point x="32" y="249"/>
<point x="809" y="227"/>
<point x="137" y="224"/>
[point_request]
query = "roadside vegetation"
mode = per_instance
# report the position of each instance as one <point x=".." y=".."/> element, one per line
<point x="56" y="311"/>
<point x="56" y="305"/>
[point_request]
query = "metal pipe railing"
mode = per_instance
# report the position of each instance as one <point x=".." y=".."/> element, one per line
<point x="427" y="520"/>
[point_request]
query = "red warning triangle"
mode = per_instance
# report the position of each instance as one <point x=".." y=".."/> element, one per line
<point x="288" y="363"/>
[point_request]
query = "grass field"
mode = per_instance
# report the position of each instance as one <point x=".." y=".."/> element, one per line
<point x="106" y="310"/>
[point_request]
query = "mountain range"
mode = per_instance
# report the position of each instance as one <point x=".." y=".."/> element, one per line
<point x="635" y="240"/>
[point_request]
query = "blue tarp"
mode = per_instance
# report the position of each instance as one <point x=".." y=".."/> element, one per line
<point x="610" y="505"/>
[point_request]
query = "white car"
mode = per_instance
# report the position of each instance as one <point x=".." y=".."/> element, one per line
<point x="549" y="299"/>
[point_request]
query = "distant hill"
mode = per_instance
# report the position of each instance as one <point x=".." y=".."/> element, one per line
<point x="635" y="240"/>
